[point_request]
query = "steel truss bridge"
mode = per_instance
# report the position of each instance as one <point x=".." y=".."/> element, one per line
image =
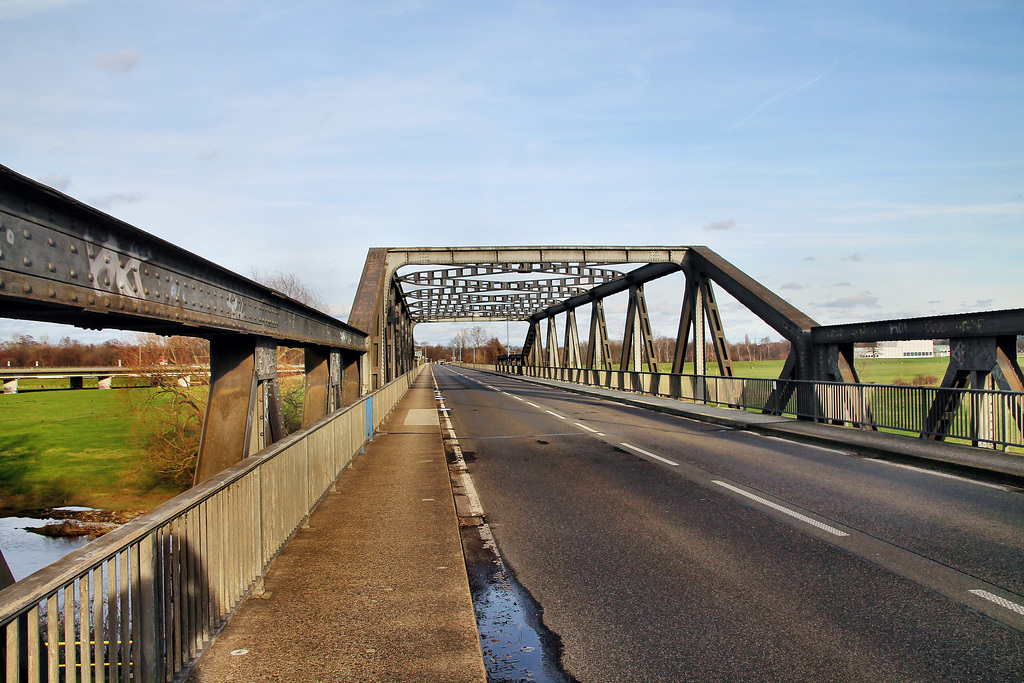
<point x="65" y="262"/>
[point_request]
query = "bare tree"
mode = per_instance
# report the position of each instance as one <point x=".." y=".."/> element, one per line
<point x="291" y="287"/>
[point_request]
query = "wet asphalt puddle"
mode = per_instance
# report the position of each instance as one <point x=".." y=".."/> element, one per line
<point x="516" y="645"/>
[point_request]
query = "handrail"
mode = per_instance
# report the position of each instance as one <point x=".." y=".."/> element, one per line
<point x="145" y="600"/>
<point x="984" y="417"/>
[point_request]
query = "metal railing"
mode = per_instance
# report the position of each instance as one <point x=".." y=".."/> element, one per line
<point x="143" y="602"/>
<point x="984" y="418"/>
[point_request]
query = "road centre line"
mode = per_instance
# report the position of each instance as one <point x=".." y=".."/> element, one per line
<point x="534" y="405"/>
<point x="784" y="510"/>
<point x="583" y="426"/>
<point x="1002" y="602"/>
<point x="560" y="417"/>
<point x="649" y="454"/>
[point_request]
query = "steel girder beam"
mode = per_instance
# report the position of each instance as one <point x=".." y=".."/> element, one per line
<point x="959" y="326"/>
<point x="65" y="262"/>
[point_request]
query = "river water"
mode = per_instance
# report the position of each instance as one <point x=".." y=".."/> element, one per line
<point x="26" y="552"/>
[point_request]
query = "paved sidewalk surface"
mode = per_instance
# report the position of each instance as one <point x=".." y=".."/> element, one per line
<point x="894" y="446"/>
<point x="376" y="589"/>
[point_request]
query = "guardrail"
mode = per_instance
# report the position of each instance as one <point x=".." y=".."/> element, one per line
<point x="985" y="418"/>
<point x="143" y="602"/>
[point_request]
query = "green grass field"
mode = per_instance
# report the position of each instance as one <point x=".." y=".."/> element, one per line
<point x="73" y="448"/>
<point x="870" y="370"/>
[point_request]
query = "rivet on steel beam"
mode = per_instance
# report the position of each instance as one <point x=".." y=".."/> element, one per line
<point x="120" y="305"/>
<point x="106" y="259"/>
<point x="106" y="302"/>
<point x="27" y="287"/>
<point x="74" y="297"/>
<point x="27" y="261"/>
<point x="74" y="249"/>
<point x="73" y="273"/>
<point x="49" y="240"/>
<point x="106" y="281"/>
<point x="52" y="293"/>
<point x="50" y="267"/>
<point x="91" y="278"/>
<point x="92" y="299"/>
<point x="26" y="234"/>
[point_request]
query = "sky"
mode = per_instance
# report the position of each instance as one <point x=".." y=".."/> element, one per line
<point x="864" y="160"/>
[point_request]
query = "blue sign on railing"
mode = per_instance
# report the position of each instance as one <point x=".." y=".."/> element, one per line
<point x="369" y="418"/>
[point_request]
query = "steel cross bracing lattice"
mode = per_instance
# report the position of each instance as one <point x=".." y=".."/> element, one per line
<point x="459" y="293"/>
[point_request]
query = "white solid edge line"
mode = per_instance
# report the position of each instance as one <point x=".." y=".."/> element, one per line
<point x="804" y="445"/>
<point x="784" y="510"/>
<point x="944" y="475"/>
<point x="649" y="454"/>
<point x="583" y="426"/>
<point x="1002" y="602"/>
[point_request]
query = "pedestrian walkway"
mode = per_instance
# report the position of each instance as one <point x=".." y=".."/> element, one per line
<point x="376" y="588"/>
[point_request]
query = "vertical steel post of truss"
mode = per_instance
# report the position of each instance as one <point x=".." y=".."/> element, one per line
<point x="6" y="577"/>
<point x="268" y="416"/>
<point x="637" y="339"/>
<point x="571" y="351"/>
<point x="974" y="361"/>
<point x="717" y="330"/>
<point x="334" y="383"/>
<point x="599" y="352"/>
<point x="686" y="317"/>
<point x="551" y="348"/>
<point x="243" y="381"/>
<point x="699" y="344"/>
<point x="533" y="348"/>
<point x="352" y="365"/>
<point x="316" y="400"/>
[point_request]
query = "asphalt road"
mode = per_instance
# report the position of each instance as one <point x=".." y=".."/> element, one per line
<point x="663" y="549"/>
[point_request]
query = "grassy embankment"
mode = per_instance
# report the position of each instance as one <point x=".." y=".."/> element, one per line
<point x="86" y="448"/>
<point x="73" y="448"/>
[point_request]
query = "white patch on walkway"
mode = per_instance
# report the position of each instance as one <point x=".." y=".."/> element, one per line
<point x="422" y="417"/>
<point x="783" y="510"/>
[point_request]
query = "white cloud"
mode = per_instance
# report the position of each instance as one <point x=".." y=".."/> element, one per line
<point x="11" y="9"/>
<point x="862" y="300"/>
<point x="727" y="224"/>
<point x="120" y="62"/>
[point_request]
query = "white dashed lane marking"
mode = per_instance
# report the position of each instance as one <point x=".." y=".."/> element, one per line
<point x="783" y="510"/>
<point x="649" y="454"/>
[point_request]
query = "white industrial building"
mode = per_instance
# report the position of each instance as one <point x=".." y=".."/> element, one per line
<point x="917" y="348"/>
